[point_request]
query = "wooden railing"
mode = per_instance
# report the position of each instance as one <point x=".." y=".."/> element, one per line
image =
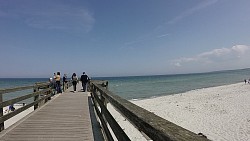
<point x="155" y="127"/>
<point x="67" y="85"/>
<point x="42" y="92"/>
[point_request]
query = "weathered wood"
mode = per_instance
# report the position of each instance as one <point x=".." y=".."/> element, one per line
<point x="15" y="100"/>
<point x="36" y="97"/>
<point x="152" y="125"/>
<point x="17" y="111"/>
<point x="118" y="131"/>
<point x="106" y="132"/>
<point x="10" y="102"/>
<point x="106" y="117"/>
<point x="65" y="118"/>
<point x="1" y="113"/>
<point x="8" y="90"/>
<point x="46" y="93"/>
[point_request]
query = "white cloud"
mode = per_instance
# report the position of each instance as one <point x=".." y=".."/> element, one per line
<point x="215" y="52"/>
<point x="192" y="10"/>
<point x="241" y="49"/>
<point x="177" y="64"/>
<point x="163" y="35"/>
<point x="216" y="56"/>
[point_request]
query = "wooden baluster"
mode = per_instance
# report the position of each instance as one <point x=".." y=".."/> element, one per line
<point x="107" y="83"/>
<point x="36" y="97"/>
<point x="1" y="113"/>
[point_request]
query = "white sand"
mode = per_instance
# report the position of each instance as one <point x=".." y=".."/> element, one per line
<point x="17" y="117"/>
<point x="21" y="115"/>
<point x="220" y="113"/>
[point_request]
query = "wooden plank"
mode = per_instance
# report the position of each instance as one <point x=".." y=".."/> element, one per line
<point x="65" y="117"/>
<point x="17" y="111"/>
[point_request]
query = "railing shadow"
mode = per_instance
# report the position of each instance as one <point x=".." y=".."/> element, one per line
<point x="97" y="133"/>
<point x="152" y="126"/>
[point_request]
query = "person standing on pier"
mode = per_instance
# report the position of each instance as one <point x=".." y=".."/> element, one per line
<point x="84" y="79"/>
<point x="64" y="81"/>
<point x="74" y="81"/>
<point x="58" y="83"/>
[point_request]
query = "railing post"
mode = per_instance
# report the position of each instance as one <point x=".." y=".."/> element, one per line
<point x="63" y="86"/>
<point x="36" y="97"/>
<point x="101" y="115"/>
<point x="107" y="83"/>
<point x="103" y="100"/>
<point x="1" y="113"/>
<point x="91" y="87"/>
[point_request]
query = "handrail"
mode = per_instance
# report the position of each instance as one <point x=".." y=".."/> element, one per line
<point x="9" y="115"/>
<point x="42" y="91"/>
<point x="8" y="90"/>
<point x="155" y="127"/>
<point x="38" y="84"/>
<point x="104" y="115"/>
<point x="21" y="98"/>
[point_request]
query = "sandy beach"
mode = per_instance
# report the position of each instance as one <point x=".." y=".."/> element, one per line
<point x="16" y="118"/>
<point x="221" y="113"/>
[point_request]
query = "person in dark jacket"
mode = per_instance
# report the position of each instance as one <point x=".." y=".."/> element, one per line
<point x="84" y="79"/>
<point x="64" y="81"/>
<point x="74" y="81"/>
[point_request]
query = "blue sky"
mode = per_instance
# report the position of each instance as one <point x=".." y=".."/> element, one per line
<point x="122" y="37"/>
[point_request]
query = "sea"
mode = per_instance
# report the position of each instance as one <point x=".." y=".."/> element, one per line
<point x="17" y="82"/>
<point x="141" y="87"/>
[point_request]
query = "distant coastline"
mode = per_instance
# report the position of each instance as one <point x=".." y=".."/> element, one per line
<point x="141" y="87"/>
<point x="192" y="73"/>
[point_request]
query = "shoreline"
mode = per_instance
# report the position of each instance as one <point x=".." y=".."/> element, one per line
<point x="17" y="117"/>
<point x="163" y="95"/>
<point x="220" y="113"/>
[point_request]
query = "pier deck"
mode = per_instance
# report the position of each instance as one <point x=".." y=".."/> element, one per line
<point x="65" y="118"/>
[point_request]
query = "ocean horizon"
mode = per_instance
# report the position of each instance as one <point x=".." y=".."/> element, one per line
<point x="141" y="87"/>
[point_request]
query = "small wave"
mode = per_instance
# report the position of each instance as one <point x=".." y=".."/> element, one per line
<point x="135" y="99"/>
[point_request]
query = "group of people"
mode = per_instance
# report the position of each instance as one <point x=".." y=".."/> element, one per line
<point x="56" y="81"/>
<point x="247" y="81"/>
<point x="84" y="79"/>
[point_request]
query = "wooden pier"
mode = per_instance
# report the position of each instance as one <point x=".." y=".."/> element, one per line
<point x="65" y="118"/>
<point x="83" y="116"/>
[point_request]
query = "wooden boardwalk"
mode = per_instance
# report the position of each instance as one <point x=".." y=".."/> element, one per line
<point x="65" y="118"/>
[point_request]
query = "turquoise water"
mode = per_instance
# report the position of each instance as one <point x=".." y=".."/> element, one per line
<point x="137" y="87"/>
<point x="16" y="82"/>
